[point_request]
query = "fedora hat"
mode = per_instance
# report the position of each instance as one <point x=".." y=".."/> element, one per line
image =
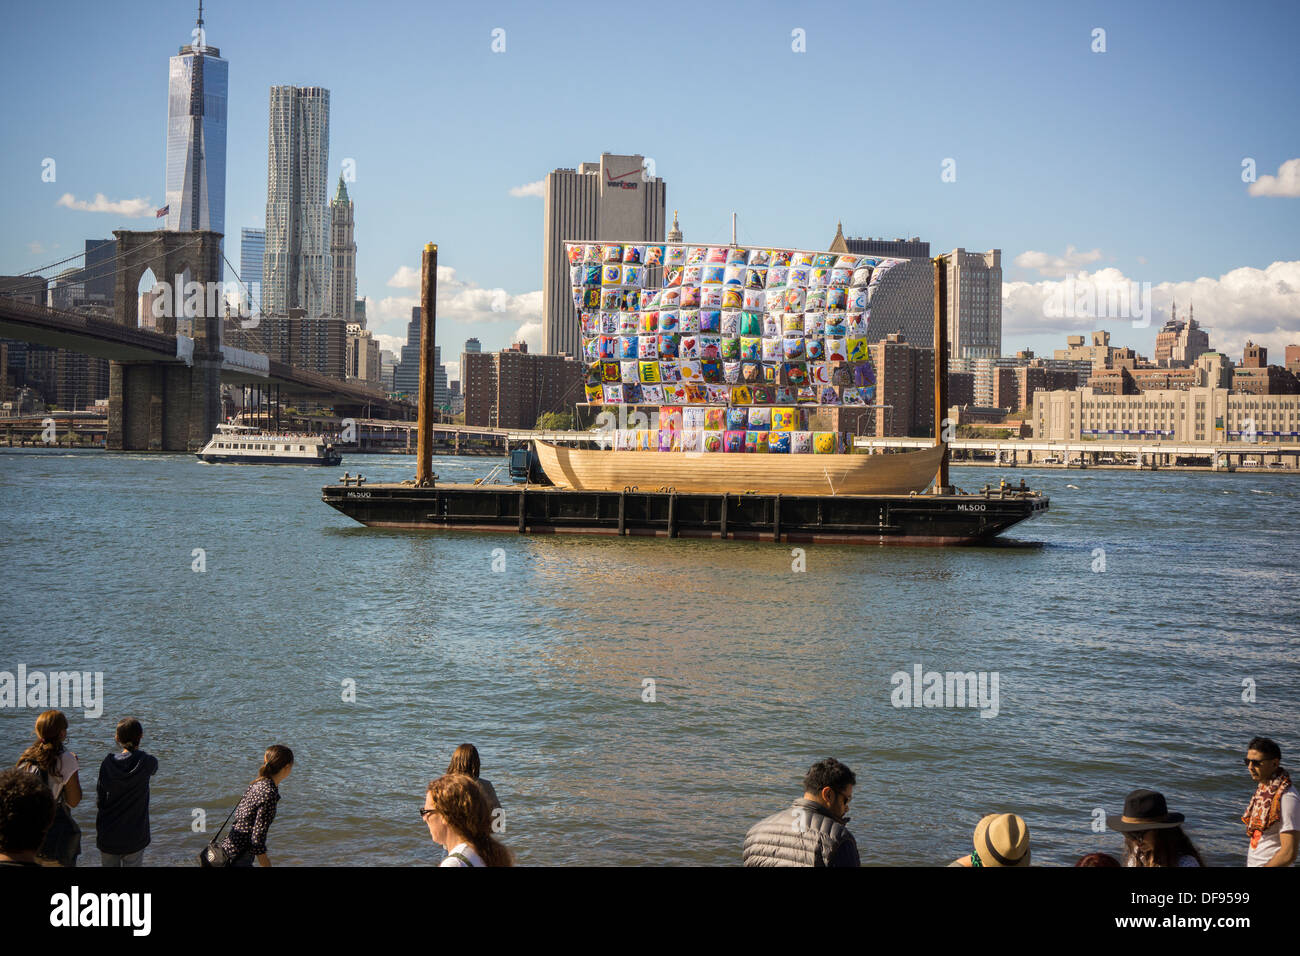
<point x="1002" y="839"/>
<point x="1145" y="810"/>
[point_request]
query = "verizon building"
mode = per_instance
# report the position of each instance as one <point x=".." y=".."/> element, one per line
<point x="614" y="199"/>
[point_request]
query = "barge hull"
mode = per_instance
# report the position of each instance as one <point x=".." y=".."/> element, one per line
<point x="794" y="519"/>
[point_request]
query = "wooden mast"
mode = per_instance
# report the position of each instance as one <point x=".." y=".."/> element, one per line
<point x="424" y="424"/>
<point x="941" y="486"/>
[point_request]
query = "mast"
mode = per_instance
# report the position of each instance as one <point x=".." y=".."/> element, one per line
<point x="428" y="324"/>
<point x="941" y="486"/>
<point x="733" y="228"/>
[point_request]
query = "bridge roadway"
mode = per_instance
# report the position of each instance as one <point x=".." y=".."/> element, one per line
<point x="1036" y="449"/>
<point x="104" y="338"/>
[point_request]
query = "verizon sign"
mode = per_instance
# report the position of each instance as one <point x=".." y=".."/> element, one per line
<point x="623" y="181"/>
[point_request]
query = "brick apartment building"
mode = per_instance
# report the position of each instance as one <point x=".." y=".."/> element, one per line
<point x="318" y="345"/>
<point x="513" y="388"/>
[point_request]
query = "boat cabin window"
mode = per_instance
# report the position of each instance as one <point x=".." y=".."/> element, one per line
<point x="302" y="447"/>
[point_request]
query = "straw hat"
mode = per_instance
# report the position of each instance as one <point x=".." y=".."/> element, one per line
<point x="1145" y="810"/>
<point x="1002" y="839"/>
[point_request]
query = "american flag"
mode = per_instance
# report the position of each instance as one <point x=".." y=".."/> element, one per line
<point x="162" y="212"/>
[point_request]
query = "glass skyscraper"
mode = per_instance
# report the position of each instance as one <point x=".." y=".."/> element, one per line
<point x="196" y="138"/>
<point x="296" y="274"/>
<point x="252" y="247"/>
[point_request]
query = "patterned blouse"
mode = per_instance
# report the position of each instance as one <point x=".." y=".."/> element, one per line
<point x="252" y="819"/>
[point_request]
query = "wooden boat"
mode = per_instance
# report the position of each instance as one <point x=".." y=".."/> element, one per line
<point x="581" y="469"/>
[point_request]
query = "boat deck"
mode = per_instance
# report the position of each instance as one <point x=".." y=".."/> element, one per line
<point x="545" y="509"/>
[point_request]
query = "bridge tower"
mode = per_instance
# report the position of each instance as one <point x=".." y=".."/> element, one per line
<point x="168" y="406"/>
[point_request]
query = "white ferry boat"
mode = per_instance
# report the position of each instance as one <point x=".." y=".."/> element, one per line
<point x="245" y="445"/>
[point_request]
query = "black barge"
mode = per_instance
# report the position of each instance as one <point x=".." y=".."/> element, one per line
<point x="927" y="519"/>
<point x="941" y="516"/>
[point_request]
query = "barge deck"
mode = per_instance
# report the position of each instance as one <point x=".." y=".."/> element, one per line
<point x="954" y="519"/>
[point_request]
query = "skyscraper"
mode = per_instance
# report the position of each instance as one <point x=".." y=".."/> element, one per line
<point x="252" y="249"/>
<point x="296" y="271"/>
<point x="473" y="345"/>
<point x="406" y="376"/>
<point x="615" y="198"/>
<point x="196" y="137"/>
<point x="343" y="256"/>
<point x="975" y="304"/>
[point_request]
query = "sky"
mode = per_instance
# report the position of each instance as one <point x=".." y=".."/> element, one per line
<point x="1155" y="144"/>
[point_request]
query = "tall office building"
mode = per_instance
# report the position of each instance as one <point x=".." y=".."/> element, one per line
<point x="362" y="362"/>
<point x="975" y="304"/>
<point x="473" y="346"/>
<point x="406" y="376"/>
<point x="296" y="272"/>
<point x="611" y="199"/>
<point x="1179" y="344"/>
<point x="343" y="256"/>
<point x="252" y="250"/>
<point x="196" y="137"/>
<point x="101" y="269"/>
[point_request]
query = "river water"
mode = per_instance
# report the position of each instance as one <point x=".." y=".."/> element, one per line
<point x="1153" y="672"/>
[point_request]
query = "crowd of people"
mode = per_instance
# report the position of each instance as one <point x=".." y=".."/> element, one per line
<point x="462" y="812"/>
<point x="814" y="830"/>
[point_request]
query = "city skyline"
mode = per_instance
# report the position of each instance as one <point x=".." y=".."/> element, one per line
<point x="1073" y="168"/>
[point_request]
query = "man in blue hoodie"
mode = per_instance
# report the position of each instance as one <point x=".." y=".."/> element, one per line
<point x="122" y="821"/>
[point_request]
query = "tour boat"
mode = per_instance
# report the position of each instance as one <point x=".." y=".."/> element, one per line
<point x="244" y="445"/>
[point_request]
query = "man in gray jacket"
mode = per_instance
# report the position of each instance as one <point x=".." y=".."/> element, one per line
<point x="814" y="831"/>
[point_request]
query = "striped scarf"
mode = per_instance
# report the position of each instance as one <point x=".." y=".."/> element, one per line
<point x="1265" y="807"/>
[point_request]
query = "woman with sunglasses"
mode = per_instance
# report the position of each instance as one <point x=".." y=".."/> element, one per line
<point x="459" y="818"/>
<point x="1152" y="835"/>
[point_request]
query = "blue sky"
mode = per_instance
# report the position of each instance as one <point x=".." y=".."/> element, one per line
<point x="1131" y="157"/>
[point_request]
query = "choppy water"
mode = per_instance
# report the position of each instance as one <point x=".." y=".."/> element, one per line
<point x="1107" y="681"/>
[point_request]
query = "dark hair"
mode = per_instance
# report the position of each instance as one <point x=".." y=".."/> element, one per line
<point x="1097" y="859"/>
<point x="465" y="760"/>
<point x="828" y="773"/>
<point x="49" y="742"/>
<point x="1268" y="748"/>
<point x="276" y="758"/>
<point x="26" y="811"/>
<point x="129" y="732"/>
<point x="463" y="806"/>
<point x="1171" y="845"/>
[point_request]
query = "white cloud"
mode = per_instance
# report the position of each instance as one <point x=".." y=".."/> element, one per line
<point x="131" y="208"/>
<point x="392" y="343"/>
<point x="405" y="278"/>
<point x="537" y="189"/>
<point x="530" y="332"/>
<point x="453" y="370"/>
<point x="1049" y="265"/>
<point x="1286" y="183"/>
<point x="38" y="248"/>
<point x="461" y="301"/>
<point x="1262" y="305"/>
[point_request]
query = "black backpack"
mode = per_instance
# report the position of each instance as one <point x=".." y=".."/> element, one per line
<point x="63" y="839"/>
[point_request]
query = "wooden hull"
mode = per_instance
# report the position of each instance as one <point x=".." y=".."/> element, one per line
<point x="712" y="473"/>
